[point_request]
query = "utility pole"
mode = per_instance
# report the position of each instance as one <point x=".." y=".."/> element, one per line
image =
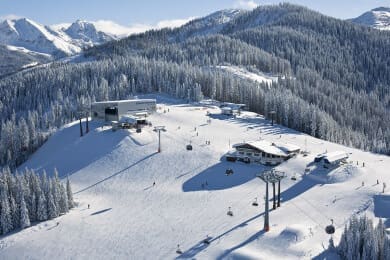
<point x="271" y="176"/>
<point x="159" y="129"/>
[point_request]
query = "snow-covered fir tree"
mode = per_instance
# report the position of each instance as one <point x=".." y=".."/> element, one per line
<point x="24" y="218"/>
<point x="26" y="197"/>
<point x="69" y="194"/>
<point x="361" y="241"/>
<point x="42" y="208"/>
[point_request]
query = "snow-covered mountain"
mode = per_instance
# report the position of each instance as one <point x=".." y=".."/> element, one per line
<point x="86" y="33"/>
<point x="51" y="40"/>
<point x="210" y="24"/>
<point x="36" y="37"/>
<point x="130" y="218"/>
<point x="378" y="18"/>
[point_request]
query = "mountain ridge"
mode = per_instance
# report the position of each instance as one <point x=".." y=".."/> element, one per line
<point x="378" y="18"/>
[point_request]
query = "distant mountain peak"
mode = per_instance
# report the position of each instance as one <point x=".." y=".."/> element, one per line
<point x="382" y="9"/>
<point x="59" y="40"/>
<point x="378" y="18"/>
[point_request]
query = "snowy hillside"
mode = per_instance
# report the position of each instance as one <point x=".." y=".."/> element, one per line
<point x="130" y="218"/>
<point x="209" y="24"/>
<point x="17" y="58"/>
<point x="244" y="73"/>
<point x="378" y="18"/>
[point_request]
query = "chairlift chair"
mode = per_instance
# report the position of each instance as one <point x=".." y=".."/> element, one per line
<point x="330" y="229"/>
<point x="254" y="203"/>
<point x="230" y="213"/>
<point x="189" y="147"/>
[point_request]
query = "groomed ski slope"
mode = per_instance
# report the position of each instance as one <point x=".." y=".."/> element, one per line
<point x="129" y="218"/>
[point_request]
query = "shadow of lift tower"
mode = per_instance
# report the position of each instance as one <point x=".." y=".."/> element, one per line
<point x="271" y="176"/>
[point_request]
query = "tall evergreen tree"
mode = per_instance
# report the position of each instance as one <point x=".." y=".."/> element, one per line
<point x="24" y="218"/>
<point x="42" y="208"/>
<point x="69" y="194"/>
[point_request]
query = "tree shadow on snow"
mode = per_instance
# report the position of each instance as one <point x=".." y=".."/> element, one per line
<point x="327" y="255"/>
<point x="201" y="245"/>
<point x="215" y="178"/>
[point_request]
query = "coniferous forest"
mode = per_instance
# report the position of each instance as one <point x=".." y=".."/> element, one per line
<point x="27" y="198"/>
<point x="361" y="240"/>
<point x="333" y="77"/>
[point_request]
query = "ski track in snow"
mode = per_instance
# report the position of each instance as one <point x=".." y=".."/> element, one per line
<point x="130" y="218"/>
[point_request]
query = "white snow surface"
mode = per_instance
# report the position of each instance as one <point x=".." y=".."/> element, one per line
<point x="129" y="218"/>
<point x="244" y="73"/>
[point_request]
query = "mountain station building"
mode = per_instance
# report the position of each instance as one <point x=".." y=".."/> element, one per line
<point x="115" y="110"/>
<point x="263" y="152"/>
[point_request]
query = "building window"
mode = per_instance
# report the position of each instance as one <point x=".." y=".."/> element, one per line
<point x="249" y="154"/>
<point x="263" y="154"/>
<point x="256" y="154"/>
<point x="111" y="111"/>
<point x="241" y="152"/>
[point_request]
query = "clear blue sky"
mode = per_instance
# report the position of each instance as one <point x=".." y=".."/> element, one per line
<point x="127" y="12"/>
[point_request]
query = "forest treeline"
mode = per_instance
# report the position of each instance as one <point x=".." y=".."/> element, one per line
<point x="333" y="77"/>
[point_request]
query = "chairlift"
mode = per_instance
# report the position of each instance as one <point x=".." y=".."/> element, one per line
<point x="189" y="147"/>
<point x="230" y="212"/>
<point x="254" y="203"/>
<point x="207" y="240"/>
<point x="294" y="178"/>
<point x="229" y="171"/>
<point x="330" y="229"/>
